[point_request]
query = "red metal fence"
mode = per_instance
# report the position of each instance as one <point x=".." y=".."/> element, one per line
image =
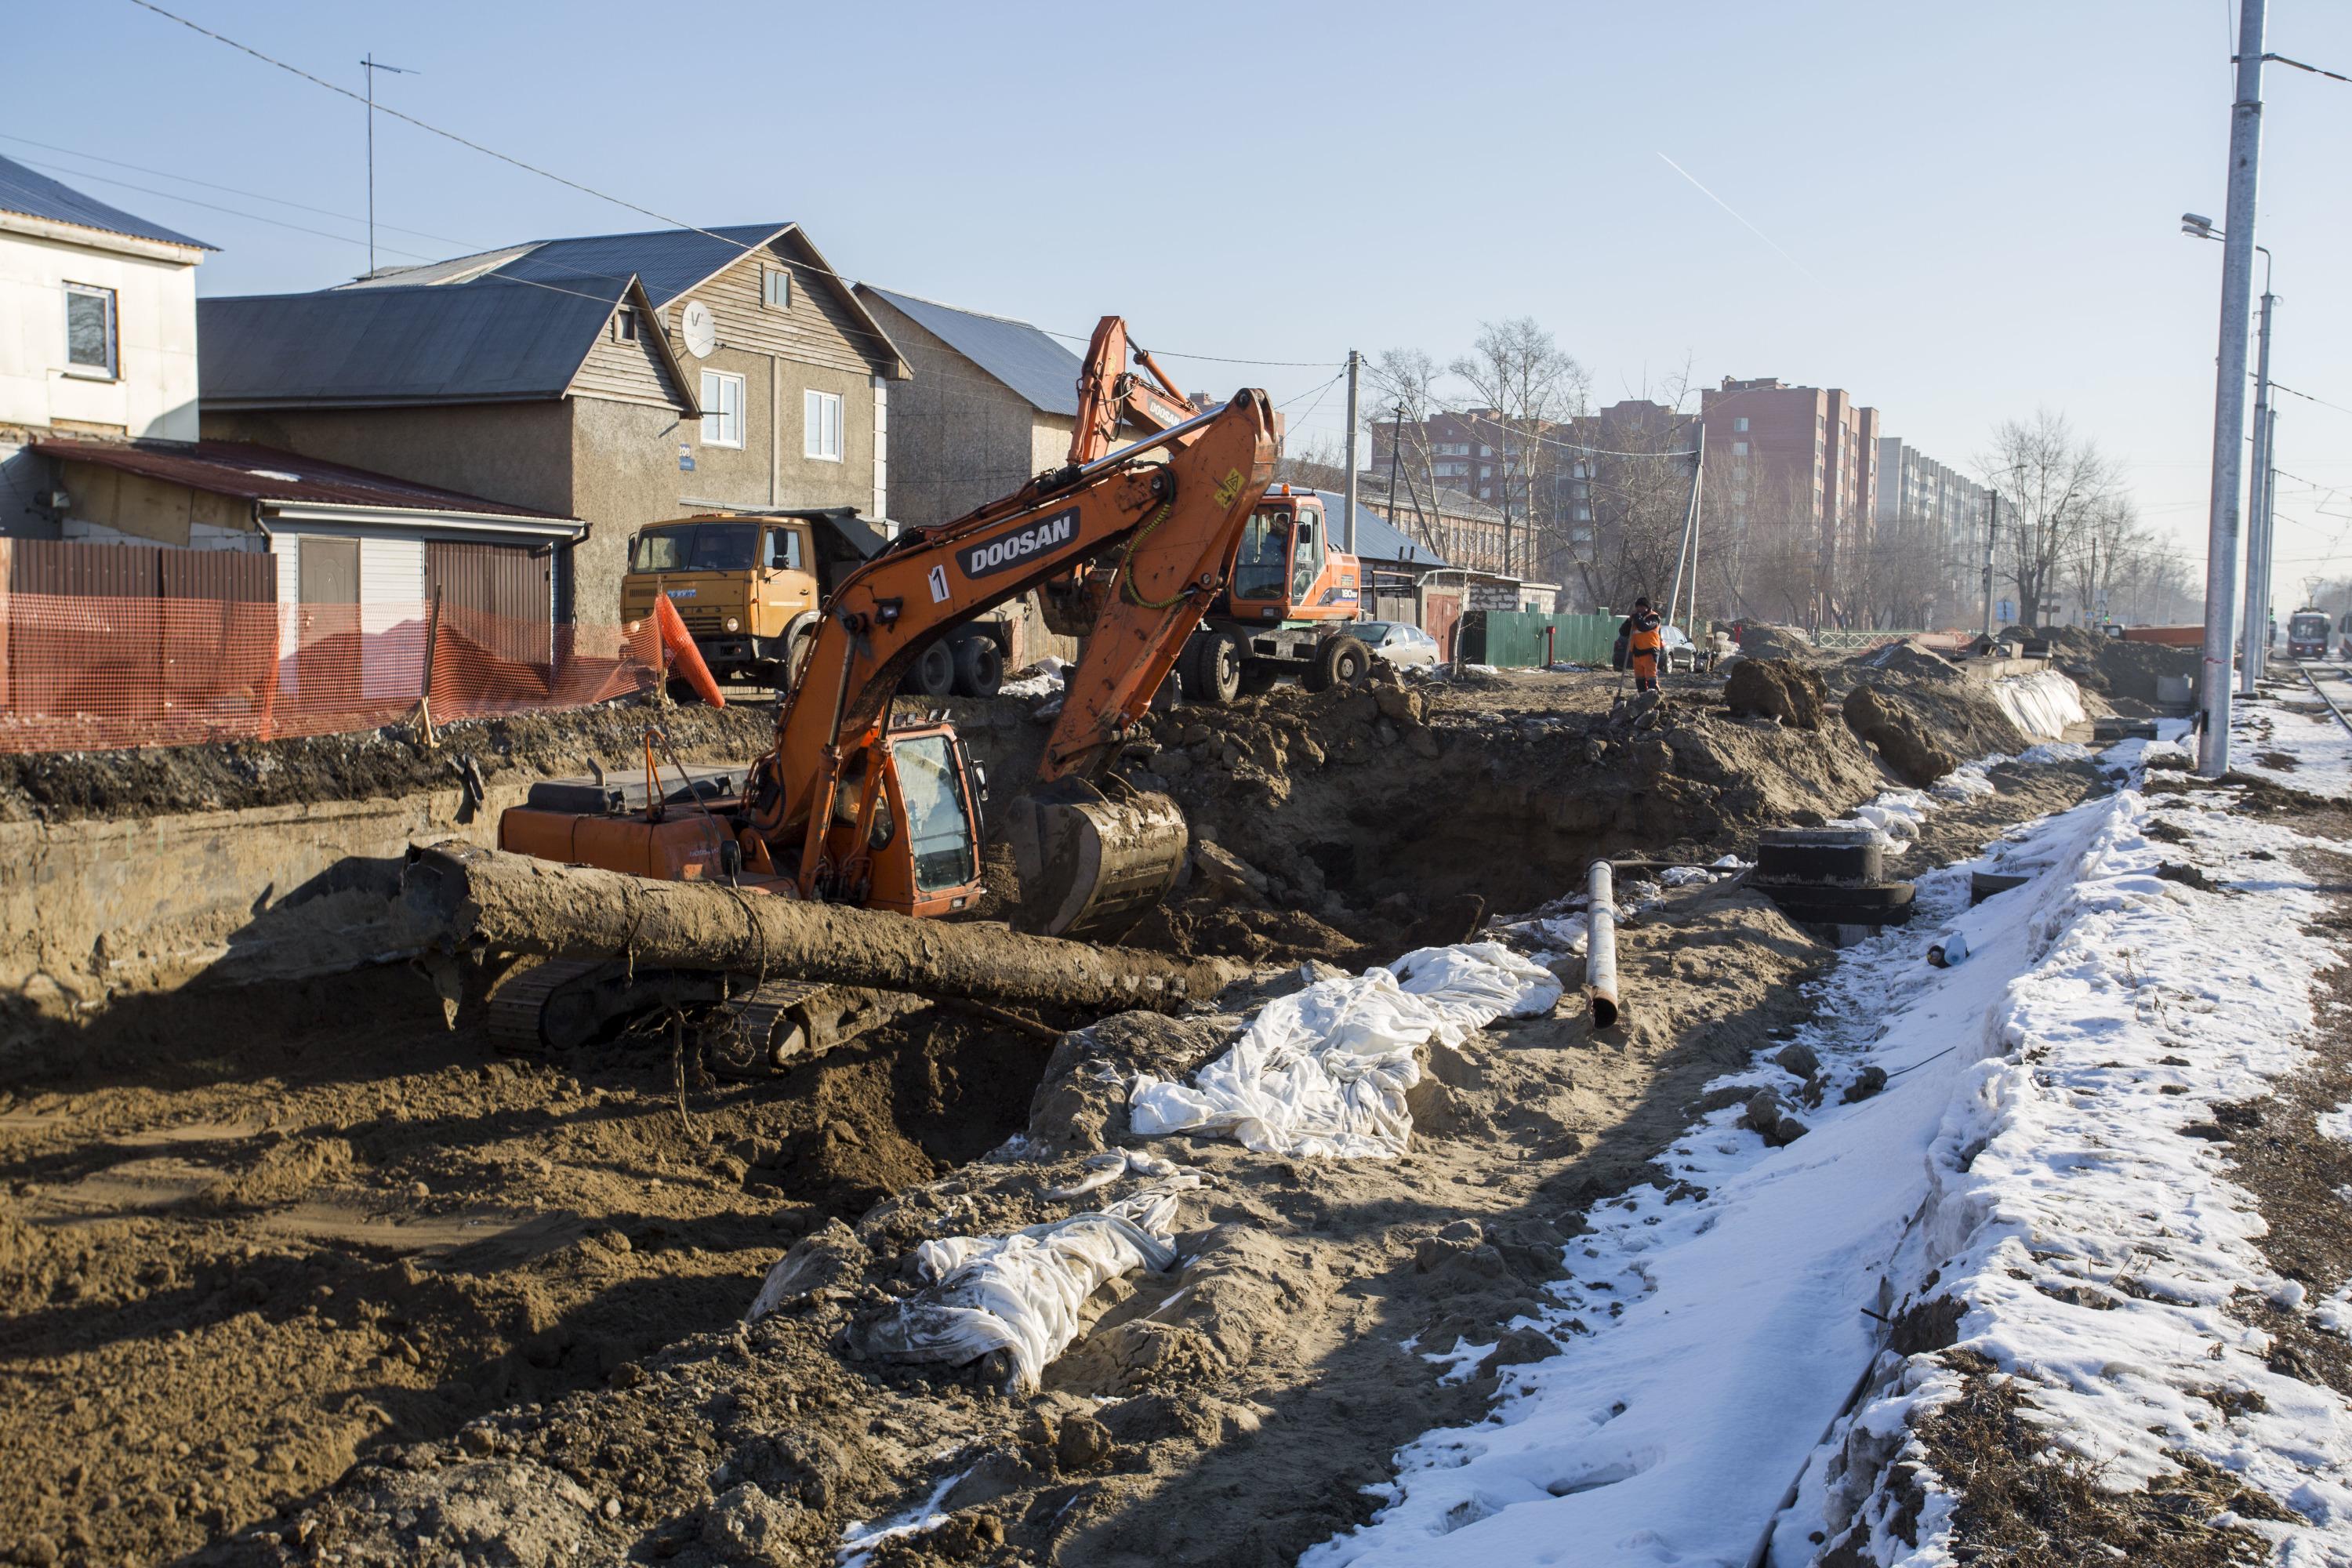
<point x="89" y="672"/>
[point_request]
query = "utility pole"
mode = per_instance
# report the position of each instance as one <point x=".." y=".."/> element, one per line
<point x="372" y="66"/>
<point x="1348" y="534"/>
<point x="2229" y="393"/>
<point x="2252" y="642"/>
<point x="1993" y="531"/>
<point x="2265" y="517"/>
<point x="1687" y="555"/>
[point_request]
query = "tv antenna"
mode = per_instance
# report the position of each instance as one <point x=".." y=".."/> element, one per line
<point x="371" y="65"/>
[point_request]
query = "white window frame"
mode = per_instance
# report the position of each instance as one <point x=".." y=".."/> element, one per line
<point x="112" y="369"/>
<point x="624" y="325"/>
<point x="821" y="433"/>
<point x="717" y="416"/>
<point x="775" y="288"/>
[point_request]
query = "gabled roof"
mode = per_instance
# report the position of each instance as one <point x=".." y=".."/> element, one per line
<point x="503" y="325"/>
<point x="1040" y="370"/>
<point x="493" y="341"/>
<point x="1375" y="541"/>
<point x="35" y="195"/>
<point x="669" y="261"/>
<point x="250" y="472"/>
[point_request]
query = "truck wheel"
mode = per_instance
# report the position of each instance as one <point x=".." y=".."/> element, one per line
<point x="1338" y="661"/>
<point x="979" y="666"/>
<point x="1213" y="671"/>
<point x="795" y="659"/>
<point x="934" y="672"/>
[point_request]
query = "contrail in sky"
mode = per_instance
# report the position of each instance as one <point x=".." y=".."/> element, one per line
<point x="1759" y="233"/>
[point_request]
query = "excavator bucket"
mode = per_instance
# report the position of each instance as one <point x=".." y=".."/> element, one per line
<point x="1092" y="866"/>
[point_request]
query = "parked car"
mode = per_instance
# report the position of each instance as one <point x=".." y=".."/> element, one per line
<point x="1398" y="643"/>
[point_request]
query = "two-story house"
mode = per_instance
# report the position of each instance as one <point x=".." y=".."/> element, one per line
<point x="619" y="379"/>
<point x="98" y="332"/>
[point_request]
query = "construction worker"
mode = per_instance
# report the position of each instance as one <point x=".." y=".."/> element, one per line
<point x="1645" y="644"/>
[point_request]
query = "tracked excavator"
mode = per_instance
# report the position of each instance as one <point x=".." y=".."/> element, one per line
<point x="1291" y="603"/>
<point x="849" y="807"/>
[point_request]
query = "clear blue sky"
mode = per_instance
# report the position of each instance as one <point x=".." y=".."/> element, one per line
<point x="1981" y="201"/>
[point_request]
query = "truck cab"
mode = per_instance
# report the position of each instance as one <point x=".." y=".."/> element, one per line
<point x="747" y="586"/>
<point x="1289" y="607"/>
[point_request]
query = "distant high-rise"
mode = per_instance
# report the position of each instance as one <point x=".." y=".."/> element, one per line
<point x="1923" y="506"/>
<point x="1797" y="466"/>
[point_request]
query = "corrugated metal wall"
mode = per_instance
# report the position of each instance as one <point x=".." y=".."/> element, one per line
<point x="139" y="572"/>
<point x="500" y="596"/>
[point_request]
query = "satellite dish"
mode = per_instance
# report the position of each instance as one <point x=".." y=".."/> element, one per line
<point x="699" y="328"/>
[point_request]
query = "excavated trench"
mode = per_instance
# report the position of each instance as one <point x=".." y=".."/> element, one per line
<point x="254" y="1233"/>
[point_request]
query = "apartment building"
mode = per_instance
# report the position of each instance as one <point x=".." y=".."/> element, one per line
<point x="1802" y="462"/>
<point x="1935" y="510"/>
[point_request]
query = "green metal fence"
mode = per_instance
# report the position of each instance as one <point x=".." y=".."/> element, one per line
<point x="1517" y="637"/>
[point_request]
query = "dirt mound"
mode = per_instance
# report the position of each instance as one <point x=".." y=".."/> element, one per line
<point x="1890" y="724"/>
<point x="2128" y="672"/>
<point x="1910" y="658"/>
<point x="1776" y="689"/>
<point x="365" y="764"/>
<point x="1759" y="641"/>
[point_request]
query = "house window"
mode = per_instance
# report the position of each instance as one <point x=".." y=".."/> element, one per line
<point x="89" y="331"/>
<point x="821" y="425"/>
<point x="624" y="326"/>
<point x="1740" y="448"/>
<point x="1740" y="423"/>
<point x="775" y="288"/>
<point x="723" y="409"/>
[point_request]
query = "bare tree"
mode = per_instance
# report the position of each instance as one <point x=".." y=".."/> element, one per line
<point x="2055" y="486"/>
<point x="1404" y="395"/>
<point x="1516" y="368"/>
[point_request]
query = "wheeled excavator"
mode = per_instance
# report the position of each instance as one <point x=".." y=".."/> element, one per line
<point x="849" y="806"/>
<point x="1292" y="598"/>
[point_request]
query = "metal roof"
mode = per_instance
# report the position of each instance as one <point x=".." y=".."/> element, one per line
<point x="1033" y="364"/>
<point x="496" y="326"/>
<point x="493" y="341"/>
<point x="27" y="191"/>
<point x="669" y="261"/>
<point x="250" y="472"/>
<point x="1375" y="540"/>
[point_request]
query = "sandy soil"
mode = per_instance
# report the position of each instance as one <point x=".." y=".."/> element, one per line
<point x="252" y="1240"/>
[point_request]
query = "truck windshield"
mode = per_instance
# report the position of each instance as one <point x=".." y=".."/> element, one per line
<point x="704" y="547"/>
<point x="1265" y="558"/>
<point x="937" y="830"/>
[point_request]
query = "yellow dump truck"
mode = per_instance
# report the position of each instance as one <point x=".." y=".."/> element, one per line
<point x="749" y="584"/>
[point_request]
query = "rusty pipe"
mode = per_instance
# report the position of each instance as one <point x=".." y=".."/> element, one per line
<point x="1600" y="947"/>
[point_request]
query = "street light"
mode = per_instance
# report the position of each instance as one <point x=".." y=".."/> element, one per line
<point x="2254" y="635"/>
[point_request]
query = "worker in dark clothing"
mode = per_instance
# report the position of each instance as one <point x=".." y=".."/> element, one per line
<point x="1645" y="643"/>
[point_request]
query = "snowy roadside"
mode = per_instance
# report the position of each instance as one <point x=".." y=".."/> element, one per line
<point x="2018" y="1206"/>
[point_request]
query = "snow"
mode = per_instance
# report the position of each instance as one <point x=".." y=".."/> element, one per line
<point x="1323" y="1072"/>
<point x="1045" y="678"/>
<point x="1714" y="1334"/>
<point x="2296" y="723"/>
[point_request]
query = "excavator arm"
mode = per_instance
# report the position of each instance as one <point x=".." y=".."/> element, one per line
<point x="1110" y="393"/>
<point x="1163" y="520"/>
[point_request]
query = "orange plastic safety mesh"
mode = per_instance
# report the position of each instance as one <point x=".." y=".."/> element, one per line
<point x="85" y="673"/>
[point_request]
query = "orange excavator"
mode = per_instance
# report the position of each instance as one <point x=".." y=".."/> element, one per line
<point x="1291" y="595"/>
<point x="849" y="807"/>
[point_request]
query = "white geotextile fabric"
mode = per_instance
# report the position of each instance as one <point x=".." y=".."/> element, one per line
<point x="1323" y="1072"/>
<point x="1023" y="1293"/>
<point x="2041" y="705"/>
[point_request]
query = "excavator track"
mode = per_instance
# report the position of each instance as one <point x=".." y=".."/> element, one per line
<point x="744" y="1030"/>
<point x="513" y="1014"/>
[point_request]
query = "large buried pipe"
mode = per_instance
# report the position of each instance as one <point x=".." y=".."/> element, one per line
<point x="1600" y="947"/>
<point x="475" y="898"/>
